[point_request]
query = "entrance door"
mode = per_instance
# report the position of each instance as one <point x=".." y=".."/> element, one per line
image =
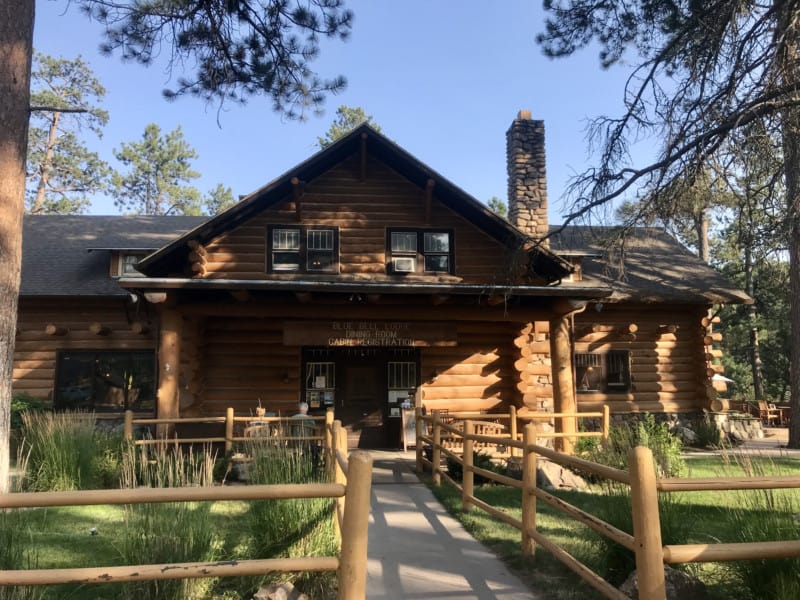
<point x="361" y="405"/>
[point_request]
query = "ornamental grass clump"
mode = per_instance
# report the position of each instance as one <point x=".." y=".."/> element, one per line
<point x="293" y="527"/>
<point x="67" y="452"/>
<point x="171" y="532"/>
<point x="762" y="516"/>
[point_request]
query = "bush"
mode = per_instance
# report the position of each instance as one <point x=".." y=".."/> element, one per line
<point x="66" y="452"/>
<point x="22" y="402"/>
<point x="666" y="447"/>
<point x="707" y="432"/>
<point x="480" y="460"/>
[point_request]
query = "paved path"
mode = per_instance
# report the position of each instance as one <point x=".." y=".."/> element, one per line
<point x="418" y="551"/>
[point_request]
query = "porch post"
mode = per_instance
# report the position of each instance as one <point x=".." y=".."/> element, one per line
<point x="563" y="381"/>
<point x="169" y="367"/>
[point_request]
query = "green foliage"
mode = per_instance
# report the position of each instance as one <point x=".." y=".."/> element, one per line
<point x="294" y="527"/>
<point x="62" y="172"/>
<point x="665" y="446"/>
<point x="15" y="553"/>
<point x="159" y="167"/>
<point x="238" y="49"/>
<point x="347" y="119"/>
<point x="167" y="532"/>
<point x="480" y="460"/>
<point x="498" y="206"/>
<point x="759" y="516"/>
<point x="219" y="199"/>
<point x="67" y="452"/>
<point x="707" y="432"/>
<point x="22" y="402"/>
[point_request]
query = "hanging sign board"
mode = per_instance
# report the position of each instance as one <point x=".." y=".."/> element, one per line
<point x="374" y="334"/>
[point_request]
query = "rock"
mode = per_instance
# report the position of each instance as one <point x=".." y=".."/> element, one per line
<point x="687" y="435"/>
<point x="549" y="475"/>
<point x="279" y="591"/>
<point x="679" y="586"/>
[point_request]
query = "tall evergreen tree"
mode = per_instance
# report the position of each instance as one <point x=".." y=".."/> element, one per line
<point x="159" y="169"/>
<point x="347" y="119"/>
<point x="219" y="199"/>
<point x="704" y="70"/>
<point x="240" y="49"/>
<point x="62" y="172"/>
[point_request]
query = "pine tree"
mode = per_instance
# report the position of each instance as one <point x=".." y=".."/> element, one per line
<point x="159" y="168"/>
<point x="219" y="199"/>
<point x="347" y="119"/>
<point x="62" y="172"/>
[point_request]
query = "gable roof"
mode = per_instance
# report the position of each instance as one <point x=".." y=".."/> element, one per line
<point x="657" y="268"/>
<point x="69" y="255"/>
<point x="171" y="257"/>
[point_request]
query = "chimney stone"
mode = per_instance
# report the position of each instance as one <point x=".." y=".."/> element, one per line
<point x="527" y="180"/>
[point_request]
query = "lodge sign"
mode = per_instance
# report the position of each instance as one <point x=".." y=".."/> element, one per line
<point x="375" y="334"/>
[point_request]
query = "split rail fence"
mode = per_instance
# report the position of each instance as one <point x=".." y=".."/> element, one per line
<point x="350" y="490"/>
<point x="645" y="542"/>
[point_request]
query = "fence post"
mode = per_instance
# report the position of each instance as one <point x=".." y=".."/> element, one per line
<point x="128" y="425"/>
<point x="529" y="459"/>
<point x="436" y="455"/>
<point x="336" y="474"/>
<point x="512" y="428"/>
<point x="419" y="429"/>
<point x="328" y="434"/>
<point x="353" y="556"/>
<point x="467" y="474"/>
<point x="646" y="525"/>
<point x="229" y="430"/>
<point x="606" y="423"/>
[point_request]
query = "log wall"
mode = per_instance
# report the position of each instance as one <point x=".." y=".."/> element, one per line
<point x="362" y="210"/>
<point x="669" y="367"/>
<point x="78" y="325"/>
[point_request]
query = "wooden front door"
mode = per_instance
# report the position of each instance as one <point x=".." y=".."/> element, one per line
<point x="361" y="405"/>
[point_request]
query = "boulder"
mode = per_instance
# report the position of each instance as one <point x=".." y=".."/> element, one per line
<point x="549" y="475"/>
<point x="279" y="591"/>
<point x="679" y="586"/>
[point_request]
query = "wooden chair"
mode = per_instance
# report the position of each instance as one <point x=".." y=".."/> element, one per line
<point x="768" y="413"/>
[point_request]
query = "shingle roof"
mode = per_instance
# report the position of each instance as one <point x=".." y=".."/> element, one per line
<point x="64" y="256"/>
<point x="656" y="267"/>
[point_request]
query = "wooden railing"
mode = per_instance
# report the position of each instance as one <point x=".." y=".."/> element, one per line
<point x="280" y="426"/>
<point x="499" y="449"/>
<point x="645" y="542"/>
<point x="350" y="490"/>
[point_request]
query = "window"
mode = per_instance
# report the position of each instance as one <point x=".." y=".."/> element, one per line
<point x="303" y="249"/>
<point x="106" y="381"/>
<point x="420" y="251"/>
<point x="609" y="372"/>
<point x="127" y="264"/>
<point x="402" y="375"/>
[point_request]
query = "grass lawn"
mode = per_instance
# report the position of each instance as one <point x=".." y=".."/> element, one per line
<point x="694" y="517"/>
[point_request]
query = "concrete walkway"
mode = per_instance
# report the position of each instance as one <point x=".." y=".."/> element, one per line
<point x="417" y="550"/>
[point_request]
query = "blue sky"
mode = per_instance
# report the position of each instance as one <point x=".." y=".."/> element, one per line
<point x="443" y="79"/>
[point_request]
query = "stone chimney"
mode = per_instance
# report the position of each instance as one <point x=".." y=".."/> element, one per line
<point x="527" y="181"/>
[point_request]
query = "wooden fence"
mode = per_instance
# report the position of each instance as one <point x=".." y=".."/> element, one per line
<point x="278" y="428"/>
<point x="645" y="542"/>
<point x="351" y="488"/>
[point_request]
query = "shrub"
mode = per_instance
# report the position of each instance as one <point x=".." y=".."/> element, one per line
<point x="480" y="460"/>
<point x="22" y="402"/>
<point x="167" y="532"/>
<point x="707" y="433"/>
<point x="665" y="446"/>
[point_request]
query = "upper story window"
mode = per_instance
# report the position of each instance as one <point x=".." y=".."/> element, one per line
<point x="609" y="372"/>
<point x="420" y="251"/>
<point x="301" y="249"/>
<point x="126" y="267"/>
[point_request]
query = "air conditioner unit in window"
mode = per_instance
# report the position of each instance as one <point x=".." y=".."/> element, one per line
<point x="404" y="265"/>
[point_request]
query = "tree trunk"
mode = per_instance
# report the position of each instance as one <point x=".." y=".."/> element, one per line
<point x="47" y="164"/>
<point x="701" y="229"/>
<point x="752" y="314"/>
<point x="16" y="49"/>
<point x="790" y="133"/>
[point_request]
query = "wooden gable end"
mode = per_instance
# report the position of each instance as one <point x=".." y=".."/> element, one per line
<point x="361" y="211"/>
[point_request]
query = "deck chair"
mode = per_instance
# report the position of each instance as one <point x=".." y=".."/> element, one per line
<point x="768" y="413"/>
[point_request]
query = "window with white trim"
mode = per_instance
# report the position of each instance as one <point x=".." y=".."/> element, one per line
<point x="609" y="372"/>
<point x="419" y="251"/>
<point x="301" y="249"/>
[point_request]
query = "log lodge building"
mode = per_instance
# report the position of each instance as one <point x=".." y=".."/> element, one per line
<point x="358" y="280"/>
